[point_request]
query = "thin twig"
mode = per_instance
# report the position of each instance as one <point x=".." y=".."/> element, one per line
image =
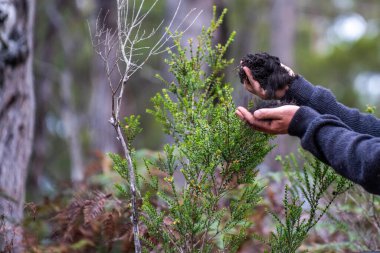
<point x="129" y="57"/>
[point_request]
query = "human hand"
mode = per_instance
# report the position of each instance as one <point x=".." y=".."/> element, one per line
<point x="271" y="121"/>
<point x="254" y="86"/>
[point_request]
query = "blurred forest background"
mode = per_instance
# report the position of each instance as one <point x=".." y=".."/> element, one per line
<point x="334" y="43"/>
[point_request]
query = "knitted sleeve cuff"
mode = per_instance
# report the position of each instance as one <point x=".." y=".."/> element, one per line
<point x="300" y="91"/>
<point x="301" y="121"/>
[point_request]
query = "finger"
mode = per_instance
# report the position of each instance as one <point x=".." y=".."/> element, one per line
<point x="238" y="113"/>
<point x="258" y="125"/>
<point x="245" y="114"/>
<point x="272" y="114"/>
<point x="258" y="90"/>
<point x="248" y="86"/>
<point x="253" y="82"/>
<point x="262" y="126"/>
<point x="255" y="89"/>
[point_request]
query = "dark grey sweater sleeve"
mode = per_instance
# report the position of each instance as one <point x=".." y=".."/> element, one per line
<point x="323" y="101"/>
<point x="354" y="155"/>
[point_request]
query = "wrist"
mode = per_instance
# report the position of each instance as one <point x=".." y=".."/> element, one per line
<point x="301" y="121"/>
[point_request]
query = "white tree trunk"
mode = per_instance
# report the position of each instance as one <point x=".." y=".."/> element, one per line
<point x="283" y="30"/>
<point x="72" y="129"/>
<point x="69" y="116"/>
<point x="283" y="34"/>
<point x="17" y="108"/>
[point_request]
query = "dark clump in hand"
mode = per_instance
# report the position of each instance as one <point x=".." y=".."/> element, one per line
<point x="267" y="70"/>
<point x="268" y="104"/>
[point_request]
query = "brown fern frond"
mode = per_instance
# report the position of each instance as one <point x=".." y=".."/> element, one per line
<point x="128" y="240"/>
<point x="68" y="220"/>
<point x="95" y="207"/>
<point x="73" y="224"/>
<point x="84" y="219"/>
<point x="109" y="229"/>
<point x="87" y="232"/>
<point x="109" y="226"/>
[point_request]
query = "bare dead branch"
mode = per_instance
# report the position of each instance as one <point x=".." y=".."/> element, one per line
<point x="122" y="52"/>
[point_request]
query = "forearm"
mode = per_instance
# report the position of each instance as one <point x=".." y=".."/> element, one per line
<point x="323" y="101"/>
<point x="353" y="155"/>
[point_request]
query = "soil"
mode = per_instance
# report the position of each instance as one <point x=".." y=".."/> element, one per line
<point x="268" y="104"/>
<point x="267" y="70"/>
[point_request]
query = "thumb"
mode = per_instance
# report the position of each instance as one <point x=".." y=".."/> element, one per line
<point x="272" y="113"/>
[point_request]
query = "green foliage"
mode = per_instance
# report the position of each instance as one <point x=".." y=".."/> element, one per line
<point x="312" y="190"/>
<point x="202" y="189"/>
<point x="120" y="165"/>
<point x="356" y="218"/>
<point x="131" y="128"/>
<point x="206" y="185"/>
<point x="370" y="109"/>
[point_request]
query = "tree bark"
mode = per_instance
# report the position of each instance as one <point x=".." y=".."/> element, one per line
<point x="17" y="107"/>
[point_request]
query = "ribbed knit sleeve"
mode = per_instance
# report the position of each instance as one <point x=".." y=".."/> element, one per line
<point x="323" y="101"/>
<point x="354" y="155"/>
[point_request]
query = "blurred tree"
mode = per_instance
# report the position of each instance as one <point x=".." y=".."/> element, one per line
<point x="327" y="59"/>
<point x="206" y="7"/>
<point x="16" y="117"/>
<point x="62" y="57"/>
<point x="102" y="134"/>
<point x="246" y="18"/>
<point x="43" y="94"/>
<point x="282" y="40"/>
<point x="69" y="115"/>
<point x="283" y="30"/>
<point x="186" y="5"/>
